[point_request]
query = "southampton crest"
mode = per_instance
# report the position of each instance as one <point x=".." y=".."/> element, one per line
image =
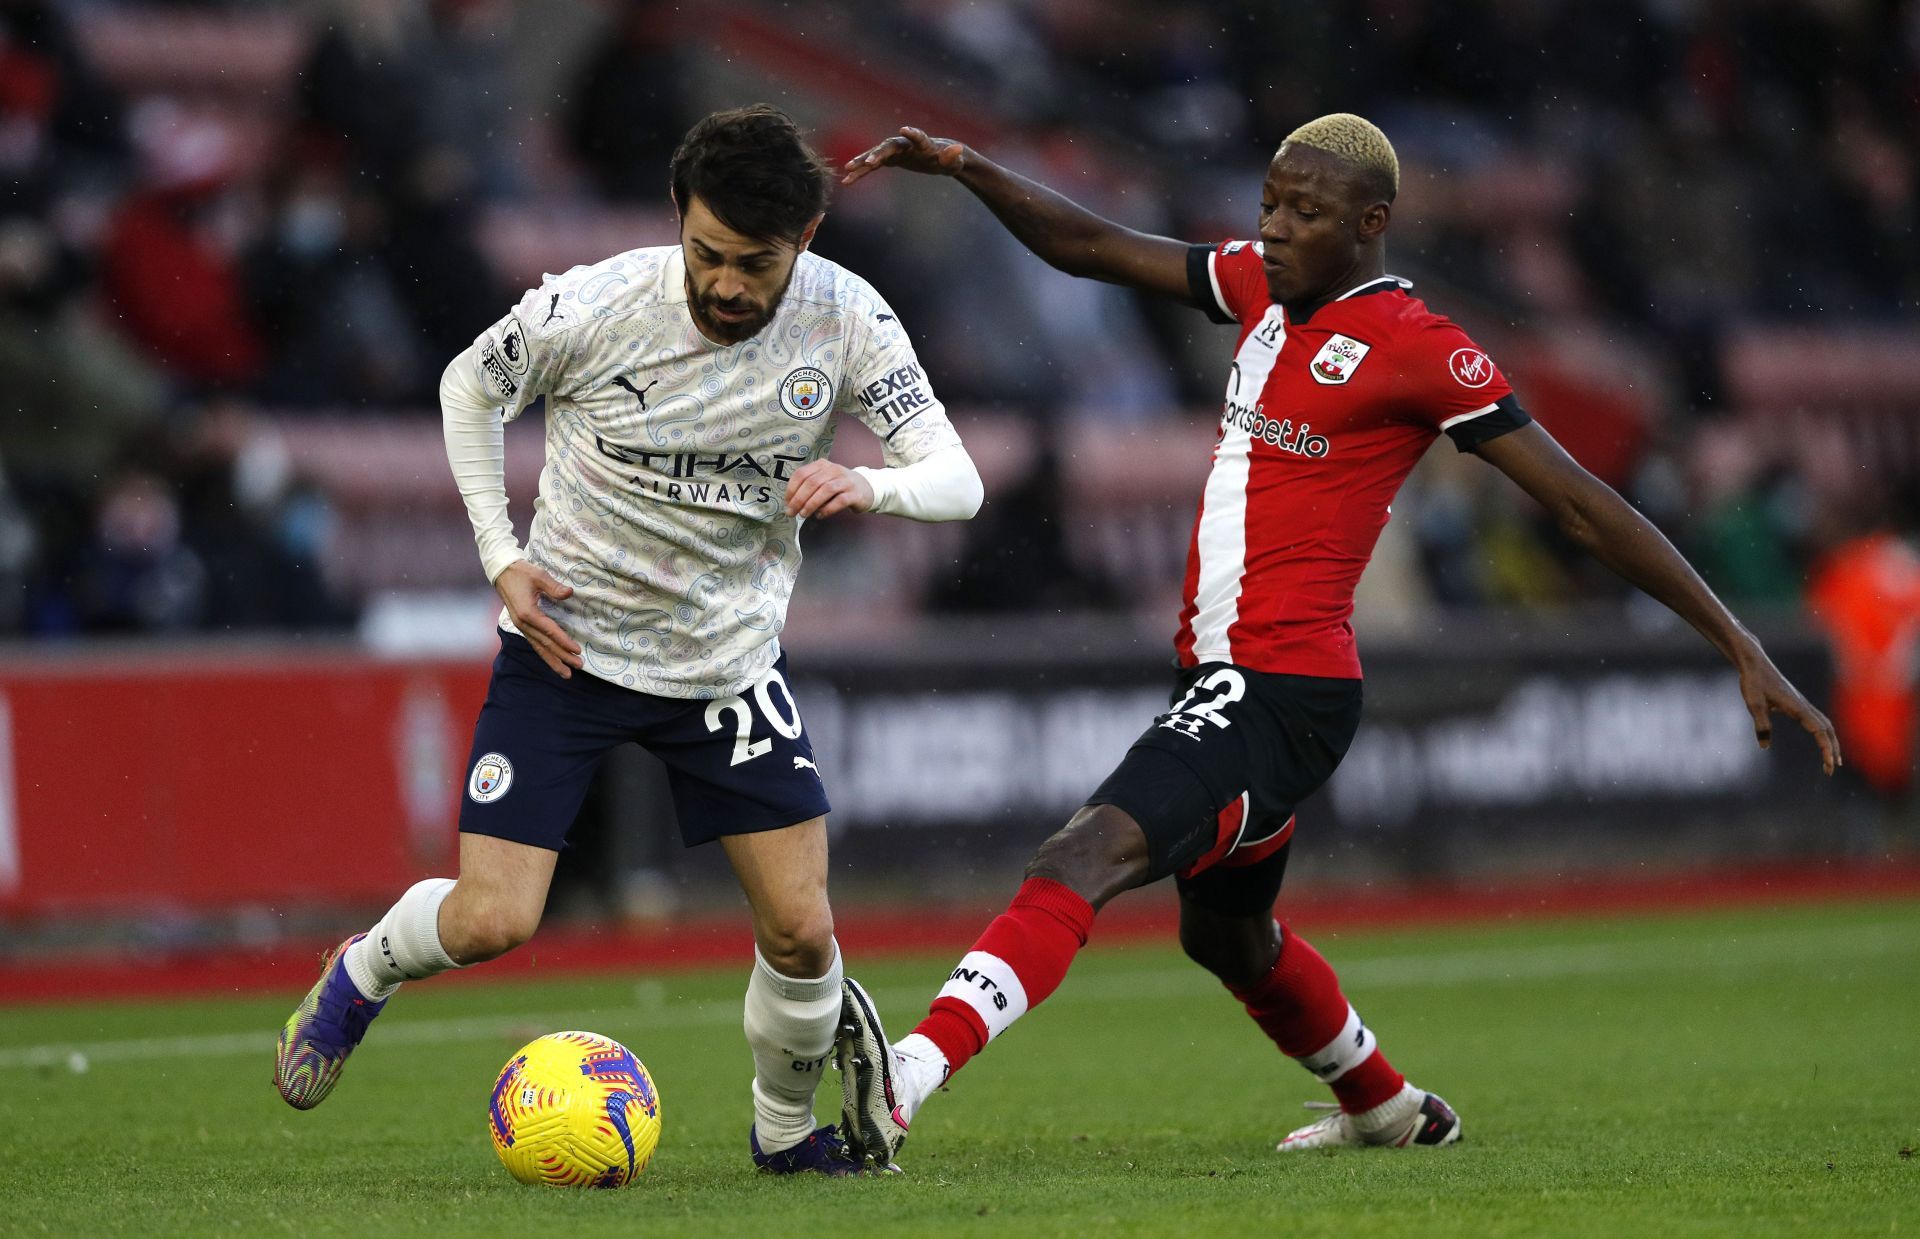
<point x="1338" y="358"/>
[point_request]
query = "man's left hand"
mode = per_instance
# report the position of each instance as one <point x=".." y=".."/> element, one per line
<point x="1766" y="691"/>
<point x="821" y="488"/>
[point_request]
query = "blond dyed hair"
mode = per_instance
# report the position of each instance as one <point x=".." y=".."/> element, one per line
<point x="1357" y="141"/>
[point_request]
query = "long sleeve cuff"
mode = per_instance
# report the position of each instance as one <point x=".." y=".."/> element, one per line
<point x="944" y="486"/>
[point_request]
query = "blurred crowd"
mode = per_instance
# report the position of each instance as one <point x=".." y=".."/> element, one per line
<point x="1657" y="171"/>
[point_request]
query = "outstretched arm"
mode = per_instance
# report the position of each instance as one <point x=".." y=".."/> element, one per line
<point x="1609" y="528"/>
<point x="1064" y="234"/>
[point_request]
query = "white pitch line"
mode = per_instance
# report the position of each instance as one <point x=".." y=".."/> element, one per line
<point x="405" y="1032"/>
<point x="1689" y="955"/>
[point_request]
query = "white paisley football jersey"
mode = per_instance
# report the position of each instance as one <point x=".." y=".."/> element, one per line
<point x="663" y="498"/>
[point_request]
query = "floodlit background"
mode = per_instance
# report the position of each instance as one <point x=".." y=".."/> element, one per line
<point x="245" y="630"/>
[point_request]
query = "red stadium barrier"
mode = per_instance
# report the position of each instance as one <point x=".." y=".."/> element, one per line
<point x="149" y="787"/>
<point x="129" y="784"/>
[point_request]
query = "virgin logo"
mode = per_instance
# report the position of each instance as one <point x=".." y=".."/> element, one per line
<point x="1471" y="367"/>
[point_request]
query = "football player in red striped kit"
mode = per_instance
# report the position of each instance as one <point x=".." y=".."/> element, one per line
<point x="1341" y="379"/>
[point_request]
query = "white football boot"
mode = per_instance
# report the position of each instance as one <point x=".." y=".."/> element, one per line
<point x="1414" y="1117"/>
<point x="882" y="1085"/>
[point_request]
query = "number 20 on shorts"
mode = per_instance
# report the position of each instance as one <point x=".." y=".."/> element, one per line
<point x="785" y="721"/>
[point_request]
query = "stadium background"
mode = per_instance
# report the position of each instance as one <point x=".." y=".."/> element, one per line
<point x="244" y="629"/>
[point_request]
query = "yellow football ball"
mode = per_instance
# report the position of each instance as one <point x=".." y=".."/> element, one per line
<point x="574" y="1109"/>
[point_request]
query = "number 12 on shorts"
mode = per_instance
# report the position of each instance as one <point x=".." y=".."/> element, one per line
<point x="785" y="721"/>
<point x="1191" y="713"/>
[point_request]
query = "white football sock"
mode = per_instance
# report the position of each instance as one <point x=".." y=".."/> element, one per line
<point x="790" y="1024"/>
<point x="919" y="1069"/>
<point x="404" y="945"/>
<point x="1392" y="1113"/>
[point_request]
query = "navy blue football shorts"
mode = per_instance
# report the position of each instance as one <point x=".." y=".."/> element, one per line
<point x="736" y="765"/>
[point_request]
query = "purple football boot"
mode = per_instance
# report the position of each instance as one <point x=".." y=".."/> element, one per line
<point x="822" y="1152"/>
<point x="322" y="1031"/>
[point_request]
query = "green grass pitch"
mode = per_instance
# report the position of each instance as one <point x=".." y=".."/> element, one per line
<point x="1748" y="1073"/>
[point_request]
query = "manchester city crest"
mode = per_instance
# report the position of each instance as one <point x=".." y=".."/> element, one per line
<point x="806" y="393"/>
<point x="492" y="776"/>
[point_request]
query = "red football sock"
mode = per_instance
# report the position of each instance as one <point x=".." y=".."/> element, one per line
<point x="1018" y="961"/>
<point x="1300" y="1006"/>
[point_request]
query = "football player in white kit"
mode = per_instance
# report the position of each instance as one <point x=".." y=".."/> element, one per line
<point x="691" y="393"/>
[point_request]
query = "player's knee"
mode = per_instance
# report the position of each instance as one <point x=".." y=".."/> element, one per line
<point x="1097" y="854"/>
<point x="1239" y="951"/>
<point x="800" y="945"/>
<point x="1223" y="957"/>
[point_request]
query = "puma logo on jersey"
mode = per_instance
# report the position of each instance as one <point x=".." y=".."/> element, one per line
<point x="801" y="763"/>
<point x="639" y="393"/>
<point x="553" y="310"/>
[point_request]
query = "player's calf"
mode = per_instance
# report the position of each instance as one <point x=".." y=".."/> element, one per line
<point x="1238" y="950"/>
<point x="1014" y="966"/>
<point x="473" y="932"/>
<point x="790" y="1023"/>
<point x="488" y="913"/>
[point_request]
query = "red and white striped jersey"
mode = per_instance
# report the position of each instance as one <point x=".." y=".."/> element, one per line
<point x="1322" y="422"/>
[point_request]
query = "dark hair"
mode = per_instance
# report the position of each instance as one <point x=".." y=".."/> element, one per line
<point x="754" y="171"/>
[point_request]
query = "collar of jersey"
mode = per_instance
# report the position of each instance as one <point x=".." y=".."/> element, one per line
<point x="1378" y="284"/>
<point x="675" y="276"/>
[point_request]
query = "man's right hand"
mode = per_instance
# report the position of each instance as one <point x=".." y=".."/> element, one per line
<point x="912" y="150"/>
<point x="521" y="586"/>
<point x="1065" y="235"/>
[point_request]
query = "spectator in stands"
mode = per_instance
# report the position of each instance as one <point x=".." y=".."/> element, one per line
<point x="337" y="329"/>
<point x="71" y="390"/>
<point x="1017" y="557"/>
<point x="16" y="558"/>
<point x="136" y="574"/>
<point x="261" y="531"/>
<point x="56" y="117"/>
<point x="466" y="113"/>
<point x="628" y="103"/>
<point x="361" y="263"/>
<point x="167" y="266"/>
<point x="380" y="83"/>
<point x="361" y="84"/>
<point x="1865" y="594"/>
<point x="1750" y="534"/>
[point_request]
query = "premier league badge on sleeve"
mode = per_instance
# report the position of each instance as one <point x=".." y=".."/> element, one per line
<point x="806" y="393"/>
<point x="513" y="349"/>
<point x="1337" y="359"/>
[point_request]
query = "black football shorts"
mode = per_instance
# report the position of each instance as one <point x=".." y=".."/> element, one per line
<point x="1215" y="780"/>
